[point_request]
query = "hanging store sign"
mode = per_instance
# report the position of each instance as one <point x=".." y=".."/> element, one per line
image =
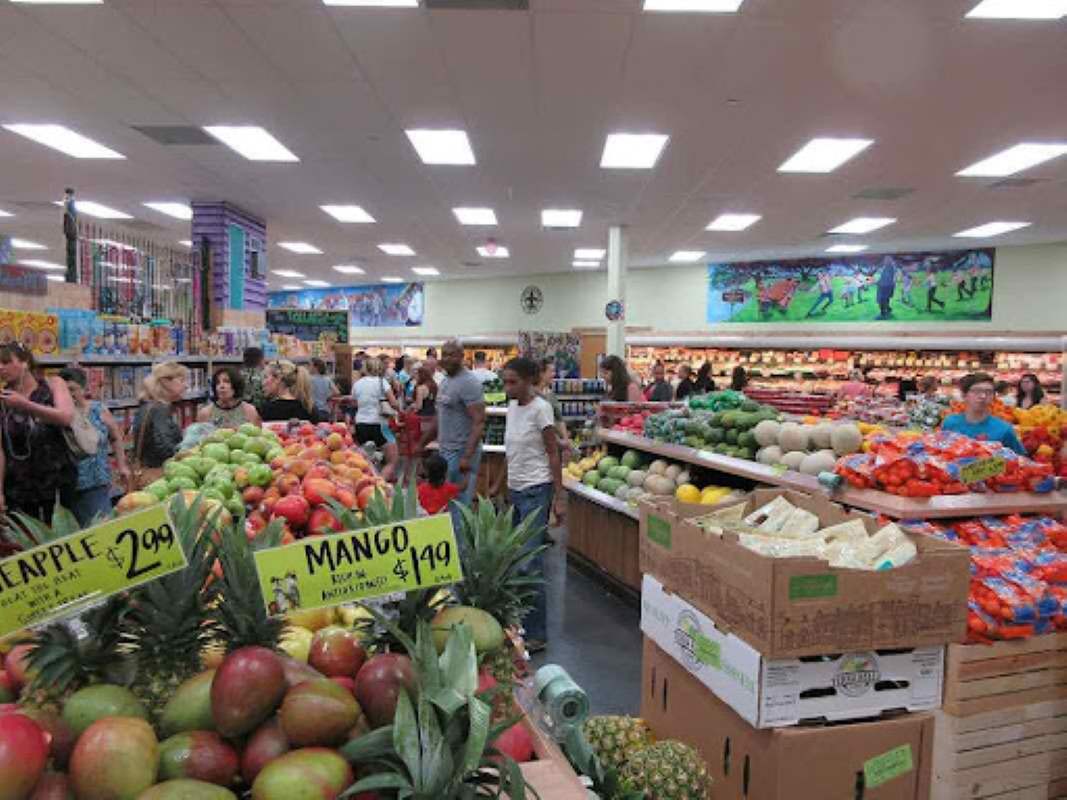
<point x="309" y="326"/>
<point x="22" y="280"/>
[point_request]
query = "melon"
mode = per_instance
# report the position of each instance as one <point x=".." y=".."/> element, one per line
<point x="793" y="459"/>
<point x="636" y="477"/>
<point x="846" y="439"/>
<point x="609" y="485"/>
<point x="672" y="472"/>
<point x="820" y="435"/>
<point x="793" y="438"/>
<point x="682" y="478"/>
<point x="635" y="493"/>
<point x="606" y="463"/>
<point x="623" y="492"/>
<point x="770" y="455"/>
<point x="658" y="467"/>
<point x="687" y="493"/>
<point x="631" y="459"/>
<point x="660" y="484"/>
<point x="821" y="461"/>
<point x="591" y="478"/>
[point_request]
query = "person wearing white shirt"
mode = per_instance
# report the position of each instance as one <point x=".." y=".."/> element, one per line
<point x="481" y="370"/>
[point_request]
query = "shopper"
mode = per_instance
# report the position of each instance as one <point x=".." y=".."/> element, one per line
<point x="91" y="495"/>
<point x="1029" y="392"/>
<point x="36" y="463"/>
<point x="704" y="382"/>
<point x="227" y="409"/>
<point x="976" y="421"/>
<point x="252" y="376"/>
<point x="435" y="493"/>
<point x="931" y="291"/>
<point x="287" y="389"/>
<point x="481" y="368"/>
<point x="621" y="387"/>
<point x="373" y="394"/>
<point x="854" y="387"/>
<point x="738" y="379"/>
<point x="460" y="421"/>
<point x="323" y="389"/>
<point x="686" y="385"/>
<point x="544" y="389"/>
<point x="534" y="475"/>
<point x="404" y="377"/>
<point x="156" y="435"/>
<point x="826" y="294"/>
<point x="659" y="391"/>
<point x="1005" y="393"/>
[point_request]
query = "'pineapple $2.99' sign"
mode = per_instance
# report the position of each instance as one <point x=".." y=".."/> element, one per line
<point x="357" y="565"/>
<point x="58" y="578"/>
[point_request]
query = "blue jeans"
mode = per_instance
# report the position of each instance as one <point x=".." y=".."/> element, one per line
<point x="535" y="501"/>
<point x="468" y="484"/>
<point x="88" y="504"/>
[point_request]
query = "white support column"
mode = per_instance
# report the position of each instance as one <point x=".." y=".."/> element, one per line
<point x="618" y="262"/>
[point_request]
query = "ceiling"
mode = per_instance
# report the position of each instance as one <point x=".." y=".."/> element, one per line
<point x="537" y="91"/>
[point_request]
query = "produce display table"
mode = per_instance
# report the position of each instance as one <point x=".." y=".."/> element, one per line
<point x="551" y="775"/>
<point x="602" y="536"/>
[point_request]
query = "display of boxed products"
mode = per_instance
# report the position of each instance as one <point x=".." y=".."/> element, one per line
<point x="801" y="605"/>
<point x="34" y="330"/>
<point x="888" y="759"/>
<point x="774" y="693"/>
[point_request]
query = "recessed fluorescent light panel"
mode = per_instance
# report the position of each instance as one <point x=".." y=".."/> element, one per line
<point x="991" y="229"/>
<point x="392" y="279"/>
<point x="64" y="140"/>
<point x="589" y="253"/>
<point x="846" y="248"/>
<point x="252" y="142"/>
<point x="55" y="278"/>
<point x="34" y="262"/>
<point x="373" y="3"/>
<point x="1015" y="159"/>
<point x="733" y="222"/>
<point x="687" y="256"/>
<point x="442" y="147"/>
<point x="861" y="225"/>
<point x="1019" y="9"/>
<point x="288" y="273"/>
<point x="317" y="284"/>
<point x="176" y="210"/>
<point x="348" y="213"/>
<point x="499" y="252"/>
<point x="475" y="216"/>
<point x="426" y="271"/>
<point x="694" y="6"/>
<point x="303" y="248"/>
<point x="349" y="269"/>
<point x="26" y="244"/>
<point x="396" y="249"/>
<point x="586" y="264"/>
<point x="98" y="210"/>
<point x="561" y="218"/>
<point x="186" y="242"/>
<point x="292" y="287"/>
<point x="824" y="155"/>
<point x="5" y="213"/>
<point x="632" y="150"/>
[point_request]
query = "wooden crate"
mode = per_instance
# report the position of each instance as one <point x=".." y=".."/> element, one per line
<point x="1002" y="732"/>
<point x="551" y="775"/>
<point x="605" y="539"/>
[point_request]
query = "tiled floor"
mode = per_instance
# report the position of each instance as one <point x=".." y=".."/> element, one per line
<point x="593" y="634"/>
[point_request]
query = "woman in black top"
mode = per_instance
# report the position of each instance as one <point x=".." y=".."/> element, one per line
<point x="162" y="434"/>
<point x="686" y="384"/>
<point x="288" y="391"/>
<point x="739" y="379"/>
<point x="704" y="382"/>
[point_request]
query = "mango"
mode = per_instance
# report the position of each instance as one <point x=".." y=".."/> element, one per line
<point x="487" y="632"/>
<point x="186" y="789"/>
<point x="200" y="755"/>
<point x="313" y="773"/>
<point x="318" y="712"/>
<point x="247" y="688"/>
<point x="117" y="758"/>
<point x="92" y="703"/>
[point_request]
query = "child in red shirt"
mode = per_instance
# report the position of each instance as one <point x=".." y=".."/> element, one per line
<point x="435" y="493"/>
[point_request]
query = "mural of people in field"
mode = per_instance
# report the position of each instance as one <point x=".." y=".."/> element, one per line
<point x="398" y="305"/>
<point x="951" y="286"/>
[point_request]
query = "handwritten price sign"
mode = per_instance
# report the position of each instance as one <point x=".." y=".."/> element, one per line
<point x="340" y="568"/>
<point x="982" y="469"/>
<point x="57" y="578"/>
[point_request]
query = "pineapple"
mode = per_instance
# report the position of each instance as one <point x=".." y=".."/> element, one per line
<point x="616" y="739"/>
<point x="170" y="620"/>
<point x="240" y="614"/>
<point x="667" y="770"/>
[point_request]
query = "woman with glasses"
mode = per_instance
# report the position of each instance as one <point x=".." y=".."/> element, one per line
<point x="978" y="391"/>
<point x="155" y="433"/>
<point x="35" y="462"/>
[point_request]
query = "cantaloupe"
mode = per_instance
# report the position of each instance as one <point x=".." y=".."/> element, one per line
<point x="846" y="439"/>
<point x="766" y="432"/>
<point x="821" y="461"/>
<point x="793" y="438"/>
<point x="636" y="477"/>
<point x="682" y="478"/>
<point x="660" y="485"/>
<point x="820" y="435"/>
<point x="623" y="492"/>
<point x="657" y="467"/>
<point x="793" y="459"/>
<point x="635" y="493"/>
<point x="770" y="455"/>
<point x="672" y="472"/>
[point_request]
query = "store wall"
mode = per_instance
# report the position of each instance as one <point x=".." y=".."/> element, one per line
<point x="1030" y="295"/>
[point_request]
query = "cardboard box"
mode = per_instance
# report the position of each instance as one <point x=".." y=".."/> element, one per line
<point x="769" y="694"/>
<point x="889" y="759"/>
<point x="788" y="607"/>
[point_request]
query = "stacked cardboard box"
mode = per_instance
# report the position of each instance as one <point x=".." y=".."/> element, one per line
<point x="767" y="665"/>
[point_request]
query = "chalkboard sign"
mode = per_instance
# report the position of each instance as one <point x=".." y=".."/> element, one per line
<point x="309" y="326"/>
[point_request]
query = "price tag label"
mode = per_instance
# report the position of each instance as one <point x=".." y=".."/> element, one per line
<point x="60" y="577"/>
<point x="357" y="565"/>
<point x="982" y="469"/>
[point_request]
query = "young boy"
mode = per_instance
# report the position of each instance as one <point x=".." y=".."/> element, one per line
<point x="435" y="493"/>
<point x="978" y="391"/>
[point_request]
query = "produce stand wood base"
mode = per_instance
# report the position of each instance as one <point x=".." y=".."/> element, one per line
<point x="551" y="775"/>
<point x="1002" y="732"/>
<point x="605" y="539"/>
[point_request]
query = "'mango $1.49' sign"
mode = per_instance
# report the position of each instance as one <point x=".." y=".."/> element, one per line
<point x="59" y="577"/>
<point x="355" y="565"/>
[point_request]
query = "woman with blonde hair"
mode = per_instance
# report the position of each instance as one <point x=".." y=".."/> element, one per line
<point x="156" y="434"/>
<point x="372" y="393"/>
<point x="288" y="391"/>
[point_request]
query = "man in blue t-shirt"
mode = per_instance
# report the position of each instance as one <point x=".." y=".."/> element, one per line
<point x="978" y="392"/>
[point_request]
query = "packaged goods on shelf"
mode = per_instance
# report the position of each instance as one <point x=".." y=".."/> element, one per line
<point x="37" y="331"/>
<point x="801" y="606"/>
<point x="771" y="693"/>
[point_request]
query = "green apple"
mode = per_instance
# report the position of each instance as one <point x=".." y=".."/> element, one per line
<point x="260" y="475"/>
<point x="248" y="429"/>
<point x="160" y="489"/>
<point x="180" y="482"/>
<point x="217" y="452"/>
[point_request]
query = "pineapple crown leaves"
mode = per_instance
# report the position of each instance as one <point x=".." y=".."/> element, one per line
<point x="606" y="781"/>
<point x="496" y="555"/>
<point x="439" y="745"/>
<point x="241" y="613"/>
<point x="29" y="532"/>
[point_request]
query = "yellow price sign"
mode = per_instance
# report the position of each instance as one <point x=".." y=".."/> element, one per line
<point x="356" y="565"/>
<point x="60" y="577"/>
<point x="982" y="469"/>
